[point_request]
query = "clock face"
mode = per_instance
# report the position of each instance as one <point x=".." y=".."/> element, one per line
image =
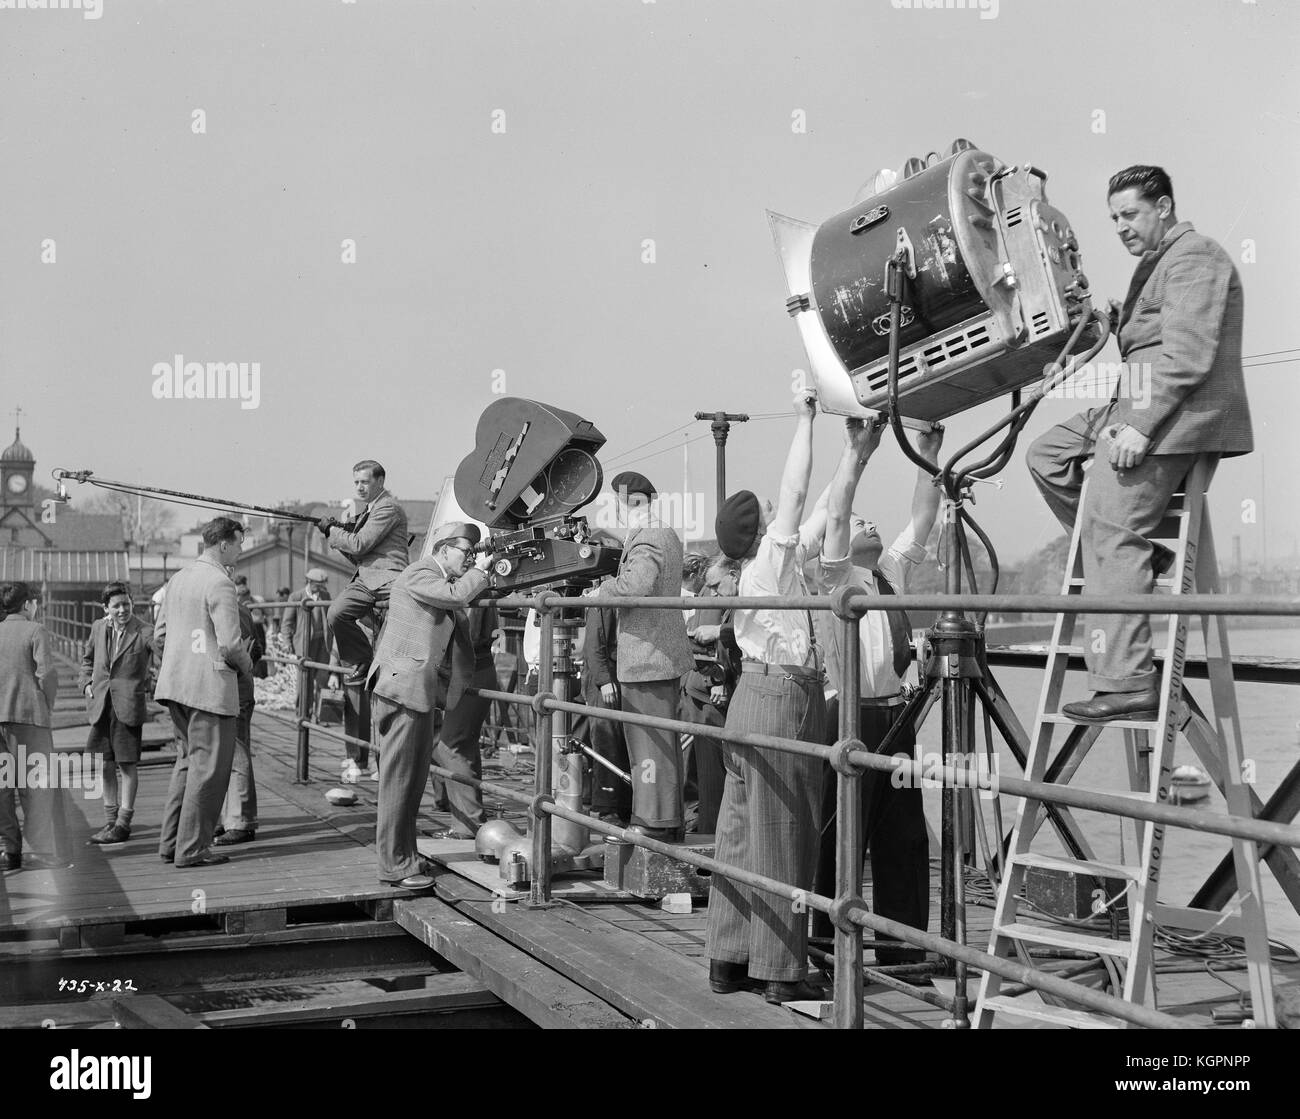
<point x="17" y="483"/>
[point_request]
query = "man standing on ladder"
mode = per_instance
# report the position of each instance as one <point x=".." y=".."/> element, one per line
<point x="1181" y="393"/>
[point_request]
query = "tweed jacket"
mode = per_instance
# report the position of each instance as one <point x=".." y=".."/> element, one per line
<point x="378" y="543"/>
<point x="28" y="678"/>
<point x="426" y="621"/>
<point x="122" y="682"/>
<point x="652" y="644"/>
<point x="1182" y="317"/>
<point x="303" y="628"/>
<point x="197" y="635"/>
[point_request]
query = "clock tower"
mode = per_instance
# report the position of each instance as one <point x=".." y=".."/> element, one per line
<point x="16" y="466"/>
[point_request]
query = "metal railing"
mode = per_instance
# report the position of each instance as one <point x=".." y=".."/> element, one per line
<point x="850" y="758"/>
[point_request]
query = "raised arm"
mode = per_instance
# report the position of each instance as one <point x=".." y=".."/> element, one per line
<point x="383" y="518"/>
<point x="860" y="442"/>
<point x="433" y="588"/>
<point x="798" y="469"/>
<point x="925" y="496"/>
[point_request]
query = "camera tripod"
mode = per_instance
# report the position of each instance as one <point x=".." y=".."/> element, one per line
<point x="954" y="663"/>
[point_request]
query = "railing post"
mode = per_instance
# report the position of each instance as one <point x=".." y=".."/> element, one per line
<point x="306" y="679"/>
<point x="540" y="888"/>
<point x="848" y="839"/>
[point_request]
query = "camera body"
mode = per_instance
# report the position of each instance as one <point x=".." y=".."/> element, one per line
<point x="533" y="466"/>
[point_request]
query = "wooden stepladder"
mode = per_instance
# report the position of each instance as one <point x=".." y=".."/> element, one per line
<point x="1125" y="907"/>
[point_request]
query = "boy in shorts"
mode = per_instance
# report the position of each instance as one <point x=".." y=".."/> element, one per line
<point x="115" y="674"/>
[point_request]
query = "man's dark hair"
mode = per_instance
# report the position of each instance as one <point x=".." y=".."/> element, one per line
<point x="1151" y="183"/>
<point x="14" y="596"/>
<point x="241" y="580"/>
<point x="112" y="590"/>
<point x="219" y="530"/>
<point x="376" y="471"/>
<point x="283" y="592"/>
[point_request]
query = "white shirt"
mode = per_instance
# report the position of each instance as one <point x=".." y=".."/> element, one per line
<point x="775" y="636"/>
<point x="878" y="678"/>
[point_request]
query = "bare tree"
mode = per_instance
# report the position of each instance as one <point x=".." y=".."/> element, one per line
<point x="142" y="518"/>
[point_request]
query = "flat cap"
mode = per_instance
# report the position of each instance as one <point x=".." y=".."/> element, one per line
<point x="738" y="523"/>
<point x="629" y="482"/>
<point x="456" y="530"/>
<point x="315" y="575"/>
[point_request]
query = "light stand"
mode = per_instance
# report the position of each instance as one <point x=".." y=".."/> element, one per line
<point x="954" y="663"/>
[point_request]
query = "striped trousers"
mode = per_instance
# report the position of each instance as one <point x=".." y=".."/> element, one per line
<point x="768" y="824"/>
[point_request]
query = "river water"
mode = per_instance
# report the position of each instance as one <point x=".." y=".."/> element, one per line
<point x="1270" y="721"/>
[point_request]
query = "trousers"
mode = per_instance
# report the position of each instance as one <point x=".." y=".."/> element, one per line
<point x="768" y="824"/>
<point x="241" y="796"/>
<point x="405" y="749"/>
<point x="1123" y="509"/>
<point x="44" y="824"/>
<point x="893" y="821"/>
<point x="655" y="756"/>
<point x="205" y="748"/>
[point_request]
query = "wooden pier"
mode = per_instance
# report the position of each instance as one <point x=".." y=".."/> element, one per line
<point x="297" y="930"/>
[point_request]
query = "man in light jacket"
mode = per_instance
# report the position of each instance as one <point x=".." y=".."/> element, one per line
<point x="653" y="655"/>
<point x="201" y="654"/>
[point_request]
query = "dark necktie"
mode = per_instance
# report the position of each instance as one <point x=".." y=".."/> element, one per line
<point x="899" y="628"/>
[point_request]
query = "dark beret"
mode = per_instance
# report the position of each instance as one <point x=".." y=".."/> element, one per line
<point x="631" y="482"/>
<point x="738" y="523"/>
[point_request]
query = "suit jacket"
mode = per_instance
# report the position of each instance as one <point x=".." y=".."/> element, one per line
<point x="28" y="678"/>
<point x="124" y="681"/>
<point x="200" y="662"/>
<point x="599" y="653"/>
<point x="253" y="636"/>
<point x="427" y="621"/>
<point x="652" y="644"/>
<point x="303" y="628"/>
<point x="378" y="542"/>
<point x="1183" y="316"/>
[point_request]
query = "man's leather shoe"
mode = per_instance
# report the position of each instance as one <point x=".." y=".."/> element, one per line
<point x="357" y="676"/>
<point x="204" y="860"/>
<point x="777" y="992"/>
<point x="219" y="830"/>
<point x="238" y="835"/>
<point x="726" y="978"/>
<point x="111" y="836"/>
<point x="167" y="856"/>
<point x="663" y="835"/>
<point x="414" y="882"/>
<point x="11" y="860"/>
<point x="1104" y="707"/>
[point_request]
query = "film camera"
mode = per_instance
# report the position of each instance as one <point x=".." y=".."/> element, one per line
<point x="531" y="468"/>
<point x="993" y="290"/>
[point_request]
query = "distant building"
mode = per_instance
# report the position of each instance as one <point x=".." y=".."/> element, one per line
<point x="68" y="555"/>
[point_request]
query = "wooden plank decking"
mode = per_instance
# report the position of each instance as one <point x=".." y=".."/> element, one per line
<point x="593" y="961"/>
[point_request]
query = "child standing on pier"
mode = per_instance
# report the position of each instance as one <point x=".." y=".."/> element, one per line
<point x="115" y="673"/>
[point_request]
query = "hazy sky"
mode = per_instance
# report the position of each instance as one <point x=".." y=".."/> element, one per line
<point x="521" y="250"/>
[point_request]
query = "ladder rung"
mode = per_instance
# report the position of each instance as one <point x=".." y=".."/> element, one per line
<point x="1059" y="1015"/>
<point x="1122" y="724"/>
<point x="1065" y="938"/>
<point x="1077" y="866"/>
